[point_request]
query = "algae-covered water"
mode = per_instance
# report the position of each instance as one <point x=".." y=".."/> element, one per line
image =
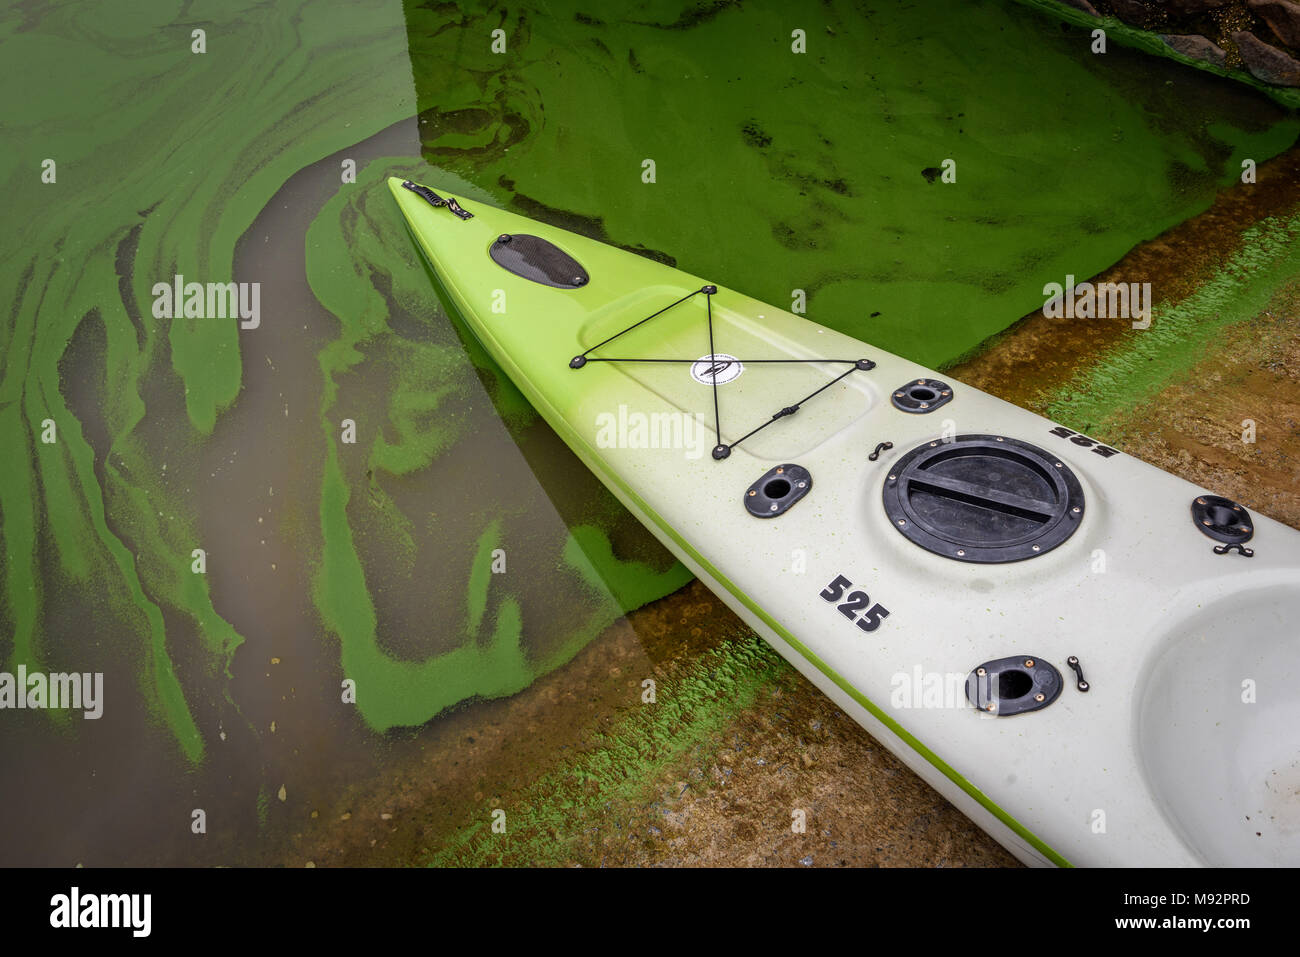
<point x="291" y="543"/>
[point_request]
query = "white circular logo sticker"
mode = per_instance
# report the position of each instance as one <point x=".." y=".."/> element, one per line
<point x="718" y="367"/>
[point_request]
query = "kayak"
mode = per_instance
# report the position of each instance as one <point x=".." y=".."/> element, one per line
<point x="1094" y="660"/>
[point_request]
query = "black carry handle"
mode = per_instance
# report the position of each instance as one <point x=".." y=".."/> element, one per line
<point x="434" y="199"/>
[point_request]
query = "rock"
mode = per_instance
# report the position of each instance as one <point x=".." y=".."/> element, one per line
<point x="1083" y="5"/>
<point x="1193" y="6"/>
<point x="1139" y="13"/>
<point x="1265" y="62"/>
<point x="1197" y="47"/>
<point x="1282" y="16"/>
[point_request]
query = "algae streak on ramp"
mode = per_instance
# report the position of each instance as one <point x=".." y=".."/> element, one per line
<point x="465" y="551"/>
<point x="1182" y="334"/>
<point x="548" y="820"/>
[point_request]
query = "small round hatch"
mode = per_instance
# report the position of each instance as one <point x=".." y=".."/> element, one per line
<point x="777" y="489"/>
<point x="983" y="498"/>
<point x="921" y="395"/>
<point x="1222" y="519"/>
<point x="1014" y="685"/>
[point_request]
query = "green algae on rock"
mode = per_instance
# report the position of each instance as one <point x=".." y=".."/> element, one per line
<point x="1173" y="41"/>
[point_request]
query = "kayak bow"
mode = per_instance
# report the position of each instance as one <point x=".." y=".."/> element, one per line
<point x="936" y="560"/>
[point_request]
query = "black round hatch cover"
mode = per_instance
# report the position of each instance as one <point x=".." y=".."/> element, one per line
<point x="983" y="498"/>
